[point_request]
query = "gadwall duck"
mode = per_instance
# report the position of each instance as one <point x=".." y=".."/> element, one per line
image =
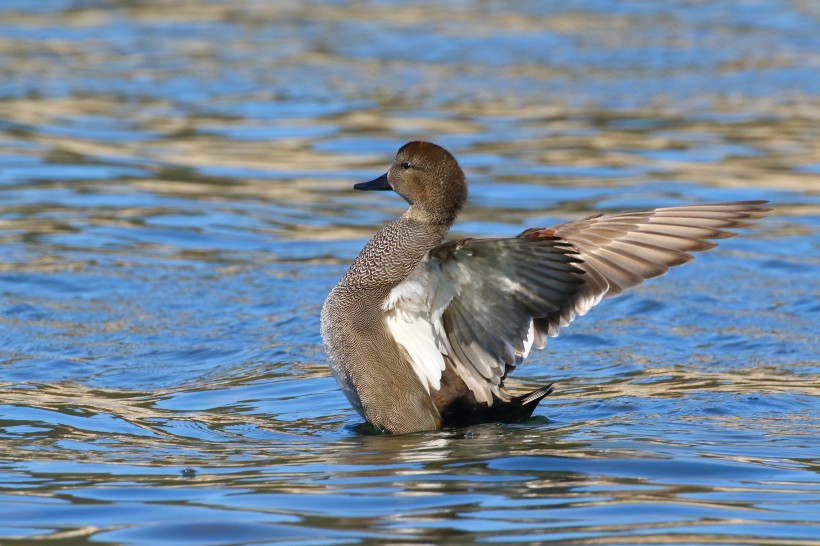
<point x="421" y="334"/>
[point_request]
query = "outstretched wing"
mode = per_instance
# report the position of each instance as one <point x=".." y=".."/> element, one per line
<point x="483" y="303"/>
<point x="620" y="251"/>
<point x="474" y="301"/>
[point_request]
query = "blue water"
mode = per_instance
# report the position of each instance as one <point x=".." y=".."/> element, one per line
<point x="176" y="202"/>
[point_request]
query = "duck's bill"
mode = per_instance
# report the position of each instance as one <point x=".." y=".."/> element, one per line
<point x="379" y="184"/>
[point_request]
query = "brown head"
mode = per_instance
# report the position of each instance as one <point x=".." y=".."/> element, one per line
<point x="428" y="177"/>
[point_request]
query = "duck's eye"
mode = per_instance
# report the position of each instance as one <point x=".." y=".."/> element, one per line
<point x="405" y="165"/>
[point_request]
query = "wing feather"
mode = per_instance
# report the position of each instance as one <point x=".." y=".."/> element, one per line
<point x="620" y="251"/>
<point x="484" y="324"/>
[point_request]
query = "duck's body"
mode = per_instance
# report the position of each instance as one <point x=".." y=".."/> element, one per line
<point x="354" y="329"/>
<point x="421" y="334"/>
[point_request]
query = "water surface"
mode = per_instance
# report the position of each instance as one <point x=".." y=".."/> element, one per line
<point x="175" y="203"/>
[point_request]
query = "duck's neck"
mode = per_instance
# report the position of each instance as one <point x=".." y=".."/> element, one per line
<point x="393" y="252"/>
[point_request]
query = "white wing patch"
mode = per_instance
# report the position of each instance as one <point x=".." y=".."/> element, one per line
<point x="413" y="312"/>
<point x="529" y="341"/>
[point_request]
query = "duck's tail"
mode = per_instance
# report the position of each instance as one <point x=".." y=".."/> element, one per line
<point x="521" y="407"/>
<point x="466" y="411"/>
<point x="532" y="399"/>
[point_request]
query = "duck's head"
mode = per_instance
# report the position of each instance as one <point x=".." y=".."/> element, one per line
<point x="428" y="177"/>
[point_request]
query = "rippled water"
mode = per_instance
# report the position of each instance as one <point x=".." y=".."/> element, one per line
<point x="175" y="203"/>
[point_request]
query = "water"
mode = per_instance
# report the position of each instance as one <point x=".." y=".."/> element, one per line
<point x="175" y="203"/>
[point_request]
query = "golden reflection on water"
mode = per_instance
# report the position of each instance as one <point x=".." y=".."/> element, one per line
<point x="774" y="150"/>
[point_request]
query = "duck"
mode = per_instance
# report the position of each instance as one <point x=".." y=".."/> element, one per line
<point x="421" y="333"/>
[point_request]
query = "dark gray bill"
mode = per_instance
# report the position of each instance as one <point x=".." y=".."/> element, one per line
<point x="379" y="184"/>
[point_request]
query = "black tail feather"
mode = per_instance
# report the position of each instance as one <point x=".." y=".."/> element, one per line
<point x="533" y="398"/>
<point x="467" y="411"/>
